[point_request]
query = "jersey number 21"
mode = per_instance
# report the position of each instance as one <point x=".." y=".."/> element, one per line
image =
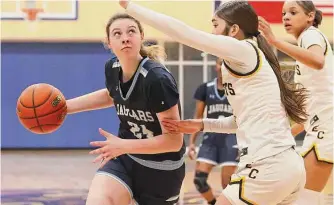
<point x="140" y="131"/>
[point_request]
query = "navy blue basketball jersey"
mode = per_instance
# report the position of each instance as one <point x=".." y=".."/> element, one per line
<point x="216" y="102"/>
<point x="151" y="90"/>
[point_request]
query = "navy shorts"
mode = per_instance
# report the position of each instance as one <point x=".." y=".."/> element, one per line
<point x="218" y="149"/>
<point x="146" y="185"/>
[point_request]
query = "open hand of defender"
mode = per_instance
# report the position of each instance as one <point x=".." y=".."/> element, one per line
<point x="183" y="126"/>
<point x="109" y="149"/>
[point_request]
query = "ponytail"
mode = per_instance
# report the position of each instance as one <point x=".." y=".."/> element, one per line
<point x="317" y="18"/>
<point x="293" y="98"/>
<point x="154" y="52"/>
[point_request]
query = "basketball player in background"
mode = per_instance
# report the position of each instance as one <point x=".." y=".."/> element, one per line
<point x="216" y="149"/>
<point x="314" y="70"/>
<point x="144" y="156"/>
<point x="260" y="100"/>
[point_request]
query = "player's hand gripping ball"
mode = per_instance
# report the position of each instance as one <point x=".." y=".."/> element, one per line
<point x="41" y="108"/>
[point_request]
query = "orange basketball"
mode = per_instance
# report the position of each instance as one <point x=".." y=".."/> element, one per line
<point x="41" y="108"/>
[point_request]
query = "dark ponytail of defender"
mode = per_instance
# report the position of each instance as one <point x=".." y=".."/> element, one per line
<point x="243" y="14"/>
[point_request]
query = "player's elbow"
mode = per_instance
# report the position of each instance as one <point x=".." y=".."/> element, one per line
<point x="319" y="62"/>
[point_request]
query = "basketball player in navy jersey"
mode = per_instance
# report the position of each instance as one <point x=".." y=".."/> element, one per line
<point x="145" y="163"/>
<point x="216" y="149"/>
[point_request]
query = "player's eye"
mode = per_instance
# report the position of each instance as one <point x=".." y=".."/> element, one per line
<point x="215" y="25"/>
<point x="132" y="31"/>
<point x="283" y="13"/>
<point x="293" y="12"/>
<point x="117" y="34"/>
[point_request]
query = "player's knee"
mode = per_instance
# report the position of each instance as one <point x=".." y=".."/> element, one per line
<point x="201" y="183"/>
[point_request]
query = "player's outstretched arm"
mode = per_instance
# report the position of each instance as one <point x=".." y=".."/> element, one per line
<point x="225" y="47"/>
<point x="224" y="125"/>
<point x="96" y="100"/>
<point x="312" y="57"/>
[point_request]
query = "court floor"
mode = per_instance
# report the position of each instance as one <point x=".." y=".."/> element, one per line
<point x="62" y="177"/>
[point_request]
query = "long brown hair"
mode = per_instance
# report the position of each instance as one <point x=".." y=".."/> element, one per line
<point x="154" y="52"/>
<point x="242" y="13"/>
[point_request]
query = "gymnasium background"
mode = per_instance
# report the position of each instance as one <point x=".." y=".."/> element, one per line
<point x="63" y="47"/>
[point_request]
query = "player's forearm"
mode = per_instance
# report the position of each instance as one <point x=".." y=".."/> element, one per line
<point x="193" y="137"/>
<point x="296" y="129"/>
<point x="302" y="55"/>
<point x="159" y="144"/>
<point x="218" y="45"/>
<point x="224" y="125"/>
<point x="96" y="100"/>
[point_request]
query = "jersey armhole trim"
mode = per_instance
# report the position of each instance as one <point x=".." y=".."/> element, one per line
<point x="325" y="53"/>
<point x="326" y="48"/>
<point x="251" y="73"/>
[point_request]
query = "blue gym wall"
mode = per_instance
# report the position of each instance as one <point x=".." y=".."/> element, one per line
<point x="75" y="69"/>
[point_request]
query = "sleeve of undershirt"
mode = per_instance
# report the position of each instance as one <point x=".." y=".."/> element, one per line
<point x="221" y="125"/>
<point x="240" y="55"/>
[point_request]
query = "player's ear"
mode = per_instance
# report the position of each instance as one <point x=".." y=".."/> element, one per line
<point x="142" y="36"/>
<point x="311" y="16"/>
<point x="234" y="30"/>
